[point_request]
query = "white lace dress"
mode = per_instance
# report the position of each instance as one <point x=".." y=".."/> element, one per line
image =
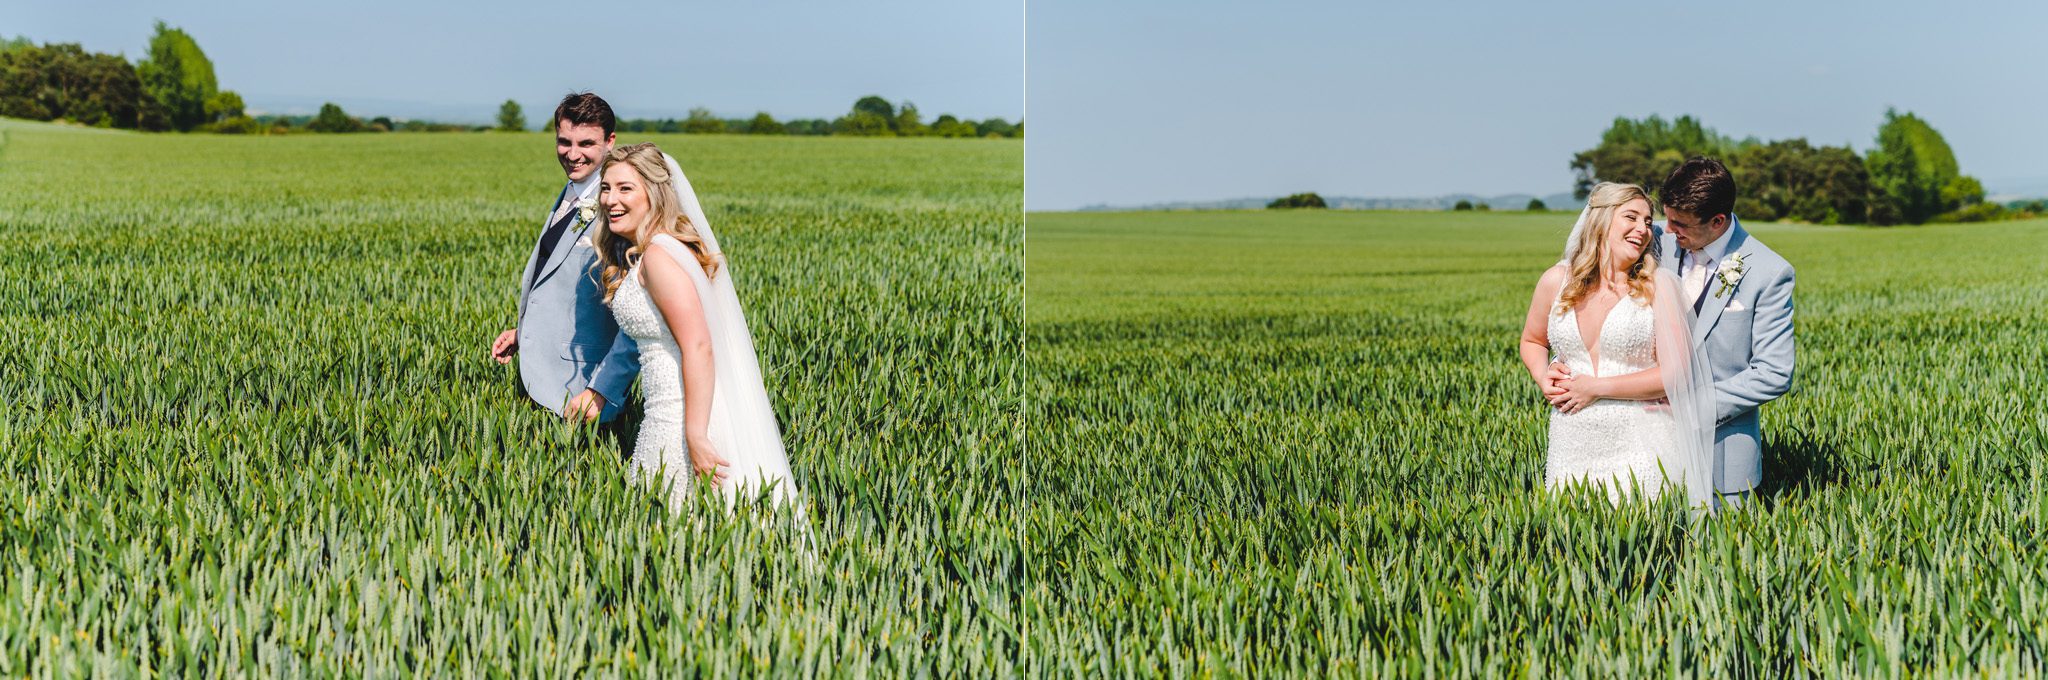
<point x="741" y="425"/>
<point x="1612" y="441"/>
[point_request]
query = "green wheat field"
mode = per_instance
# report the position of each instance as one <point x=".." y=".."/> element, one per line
<point x="251" y="426"/>
<point x="1302" y="444"/>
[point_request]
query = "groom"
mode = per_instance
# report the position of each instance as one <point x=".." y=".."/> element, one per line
<point x="572" y="358"/>
<point x="1742" y="291"/>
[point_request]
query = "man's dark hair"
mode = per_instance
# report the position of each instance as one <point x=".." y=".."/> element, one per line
<point x="584" y="108"/>
<point x="1701" y="186"/>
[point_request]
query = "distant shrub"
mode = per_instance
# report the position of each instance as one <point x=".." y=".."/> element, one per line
<point x="1306" y="200"/>
<point x="764" y="124"/>
<point x="949" y="126"/>
<point x="332" y="119"/>
<point x="238" y="125"/>
<point x="701" y="122"/>
<point x="1975" y="212"/>
<point x="1536" y="205"/>
<point x="862" y="124"/>
<point x="1462" y="205"/>
<point x="510" y="118"/>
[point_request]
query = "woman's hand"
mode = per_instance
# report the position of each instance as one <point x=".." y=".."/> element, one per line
<point x="706" y="460"/>
<point x="1579" y="392"/>
<point x="1557" y="373"/>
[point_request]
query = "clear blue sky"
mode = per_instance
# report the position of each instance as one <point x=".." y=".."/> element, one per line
<point x="1149" y="101"/>
<point x="421" y="58"/>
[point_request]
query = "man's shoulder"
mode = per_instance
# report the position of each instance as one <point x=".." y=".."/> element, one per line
<point x="1666" y="243"/>
<point x="1758" y="255"/>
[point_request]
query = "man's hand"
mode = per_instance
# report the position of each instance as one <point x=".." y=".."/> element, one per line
<point x="505" y="346"/>
<point x="584" y="407"/>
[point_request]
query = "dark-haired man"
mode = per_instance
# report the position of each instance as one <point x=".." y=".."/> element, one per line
<point x="572" y="358"/>
<point x="1742" y="291"/>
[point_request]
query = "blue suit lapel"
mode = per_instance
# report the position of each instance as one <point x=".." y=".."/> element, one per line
<point x="573" y="231"/>
<point x="535" y="269"/>
<point x="1710" y="309"/>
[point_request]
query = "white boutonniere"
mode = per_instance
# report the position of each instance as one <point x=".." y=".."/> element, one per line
<point x="586" y="208"/>
<point x="1730" y="273"/>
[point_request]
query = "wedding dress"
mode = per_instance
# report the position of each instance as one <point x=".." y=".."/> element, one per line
<point x="742" y="426"/>
<point x="1625" y="444"/>
<point x="1613" y="442"/>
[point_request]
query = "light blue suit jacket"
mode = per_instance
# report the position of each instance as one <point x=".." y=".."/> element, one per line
<point x="1747" y="334"/>
<point x="568" y="339"/>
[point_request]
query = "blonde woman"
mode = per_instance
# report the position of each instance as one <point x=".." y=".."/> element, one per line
<point x="707" y="410"/>
<point x="1634" y="411"/>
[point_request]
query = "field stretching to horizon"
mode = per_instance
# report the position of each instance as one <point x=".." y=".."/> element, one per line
<point x="1302" y="443"/>
<point x="252" y="427"/>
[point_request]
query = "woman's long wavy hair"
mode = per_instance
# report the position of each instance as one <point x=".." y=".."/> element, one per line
<point x="1583" y="271"/>
<point x="615" y="253"/>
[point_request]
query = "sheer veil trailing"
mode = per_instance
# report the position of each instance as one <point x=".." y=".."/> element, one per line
<point x="1686" y="451"/>
<point x="742" y="419"/>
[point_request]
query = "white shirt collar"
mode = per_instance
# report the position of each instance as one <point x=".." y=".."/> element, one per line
<point x="1719" y="247"/>
<point x="588" y="187"/>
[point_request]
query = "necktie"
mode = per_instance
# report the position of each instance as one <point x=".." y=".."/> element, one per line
<point x="1696" y="278"/>
<point x="557" y="222"/>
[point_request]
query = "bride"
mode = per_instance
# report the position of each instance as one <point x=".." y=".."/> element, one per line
<point x="1633" y="406"/>
<point x="667" y="282"/>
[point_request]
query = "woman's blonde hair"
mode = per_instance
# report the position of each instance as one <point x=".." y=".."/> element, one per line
<point x="1583" y="271"/>
<point x="615" y="253"/>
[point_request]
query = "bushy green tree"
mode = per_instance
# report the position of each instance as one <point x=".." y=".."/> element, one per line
<point x="1303" y="200"/>
<point x="948" y="126"/>
<point x="1916" y="171"/>
<point x="764" y="124"/>
<point x="332" y="119"/>
<point x="63" y="81"/>
<point x="702" y="122"/>
<point x="1643" y="152"/>
<point x="908" y="122"/>
<point x="1462" y="205"/>
<point x="875" y="105"/>
<point x="178" y="74"/>
<point x="995" y="127"/>
<point x="1536" y="205"/>
<point x="1792" y="180"/>
<point x="862" y="124"/>
<point x="223" y="105"/>
<point x="510" y="118"/>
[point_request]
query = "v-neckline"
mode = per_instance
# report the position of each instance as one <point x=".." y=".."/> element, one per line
<point x="1593" y="345"/>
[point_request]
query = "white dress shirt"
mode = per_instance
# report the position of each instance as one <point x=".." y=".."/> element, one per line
<point x="577" y="191"/>
<point x="1697" y="266"/>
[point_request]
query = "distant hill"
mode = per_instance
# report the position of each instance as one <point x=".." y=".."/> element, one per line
<point x="2000" y="190"/>
<point x="1557" y="201"/>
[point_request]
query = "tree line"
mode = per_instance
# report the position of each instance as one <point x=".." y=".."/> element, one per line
<point x="1910" y="177"/>
<point x="174" y="89"/>
<point x="171" y="89"/>
<point x="871" y="116"/>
